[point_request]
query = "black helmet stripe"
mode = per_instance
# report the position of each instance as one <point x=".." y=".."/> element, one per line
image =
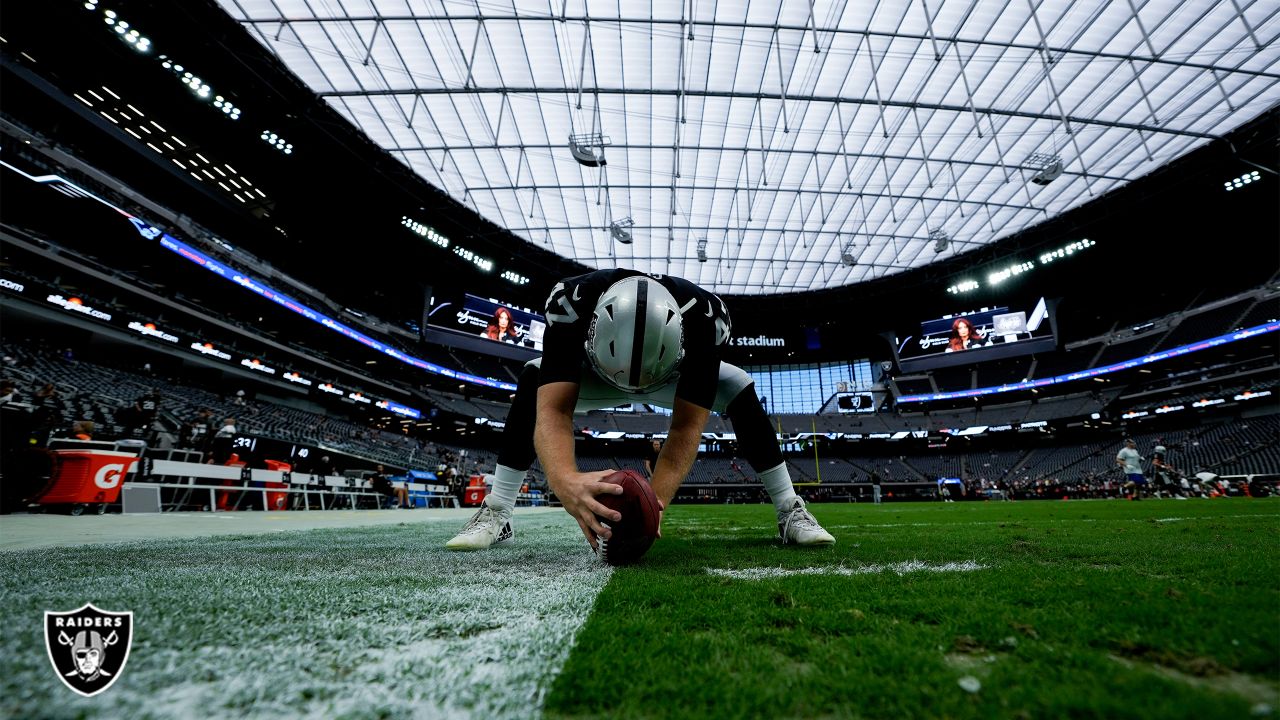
<point x="637" y="339"/>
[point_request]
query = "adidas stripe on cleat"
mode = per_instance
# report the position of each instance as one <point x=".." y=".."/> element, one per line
<point x="486" y="528"/>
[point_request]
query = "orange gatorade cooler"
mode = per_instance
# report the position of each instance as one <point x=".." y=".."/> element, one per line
<point x="82" y="477"/>
<point x="475" y="492"/>
<point x="225" y="496"/>
<point x="277" y="500"/>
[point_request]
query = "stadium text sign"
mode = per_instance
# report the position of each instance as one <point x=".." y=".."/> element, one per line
<point x="77" y="305"/>
<point x="257" y="365"/>
<point x="209" y="349"/>
<point x="760" y="341"/>
<point x="150" y="330"/>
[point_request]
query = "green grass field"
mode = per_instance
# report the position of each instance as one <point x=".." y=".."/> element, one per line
<point x="1156" y="609"/>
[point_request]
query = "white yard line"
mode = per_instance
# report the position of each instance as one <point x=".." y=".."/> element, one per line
<point x="1013" y="522"/>
<point x="898" y="568"/>
<point x="24" y="532"/>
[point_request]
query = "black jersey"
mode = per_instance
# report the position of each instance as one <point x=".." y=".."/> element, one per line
<point x="703" y="316"/>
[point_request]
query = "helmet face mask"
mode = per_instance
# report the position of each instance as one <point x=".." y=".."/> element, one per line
<point x="636" y="338"/>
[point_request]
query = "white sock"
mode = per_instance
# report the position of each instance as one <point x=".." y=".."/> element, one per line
<point x="506" y="485"/>
<point x="777" y="482"/>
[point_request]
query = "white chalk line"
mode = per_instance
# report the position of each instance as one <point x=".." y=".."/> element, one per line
<point x="898" y="568"/>
<point x="1013" y="522"/>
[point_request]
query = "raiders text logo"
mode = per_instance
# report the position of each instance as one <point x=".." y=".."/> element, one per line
<point x="88" y="647"/>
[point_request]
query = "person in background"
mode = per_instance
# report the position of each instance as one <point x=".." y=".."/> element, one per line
<point x="1130" y="463"/>
<point x="145" y="410"/>
<point x="964" y="336"/>
<point x="47" y="414"/>
<point x="222" y="440"/>
<point x="651" y="460"/>
<point x="202" y="430"/>
<point x="82" y="430"/>
<point x="501" y="327"/>
<point x="380" y="484"/>
<point x="1166" y="476"/>
<point x="8" y="392"/>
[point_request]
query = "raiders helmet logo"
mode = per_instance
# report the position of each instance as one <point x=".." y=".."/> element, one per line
<point x="88" y="647"/>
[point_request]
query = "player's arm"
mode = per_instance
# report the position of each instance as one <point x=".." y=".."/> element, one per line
<point x="553" y="439"/>
<point x="680" y="450"/>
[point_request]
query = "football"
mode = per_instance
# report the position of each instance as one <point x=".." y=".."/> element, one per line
<point x="635" y="533"/>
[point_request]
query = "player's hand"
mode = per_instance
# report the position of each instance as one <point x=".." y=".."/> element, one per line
<point x="577" y="493"/>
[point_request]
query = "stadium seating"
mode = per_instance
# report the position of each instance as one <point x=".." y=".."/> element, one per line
<point x="1205" y="324"/>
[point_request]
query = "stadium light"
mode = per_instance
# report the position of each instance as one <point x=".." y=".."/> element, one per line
<point x="1048" y="167"/>
<point x="514" y="277"/>
<point x="963" y="286"/>
<point x="479" y="261"/>
<point x="1071" y="249"/>
<point x="1245" y="179"/>
<point x="1000" y="276"/>
<point x="425" y="231"/>
<point x="849" y="257"/>
<point x="588" y="148"/>
<point x="198" y="86"/>
<point x="276" y="141"/>
<point x="130" y="35"/>
<point x="621" y="230"/>
<point x="940" y="239"/>
<point x="702" y="249"/>
<point x="227" y="107"/>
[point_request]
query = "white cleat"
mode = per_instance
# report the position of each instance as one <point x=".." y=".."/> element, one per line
<point x="486" y="528"/>
<point x="797" y="527"/>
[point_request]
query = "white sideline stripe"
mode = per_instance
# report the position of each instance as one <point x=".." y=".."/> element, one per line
<point x="898" y="568"/>
<point x="540" y="592"/>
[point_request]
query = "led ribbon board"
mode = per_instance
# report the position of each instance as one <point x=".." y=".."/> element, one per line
<point x="180" y="248"/>
<point x="1106" y="369"/>
<point x="199" y="258"/>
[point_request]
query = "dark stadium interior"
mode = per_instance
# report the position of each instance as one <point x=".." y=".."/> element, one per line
<point x="1176" y="261"/>
<point x="980" y="247"/>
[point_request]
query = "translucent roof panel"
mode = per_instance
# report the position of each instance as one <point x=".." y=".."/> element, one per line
<point x="790" y="137"/>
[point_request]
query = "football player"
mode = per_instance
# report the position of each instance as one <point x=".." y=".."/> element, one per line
<point x="615" y="337"/>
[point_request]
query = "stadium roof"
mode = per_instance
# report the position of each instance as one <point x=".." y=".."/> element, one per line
<point x="810" y="144"/>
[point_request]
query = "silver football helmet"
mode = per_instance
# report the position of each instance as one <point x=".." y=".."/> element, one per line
<point x="636" y="338"/>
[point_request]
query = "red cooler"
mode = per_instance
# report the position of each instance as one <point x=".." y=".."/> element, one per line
<point x="277" y="500"/>
<point x="82" y="477"/>
<point x="224" y="496"/>
<point x="475" y="491"/>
